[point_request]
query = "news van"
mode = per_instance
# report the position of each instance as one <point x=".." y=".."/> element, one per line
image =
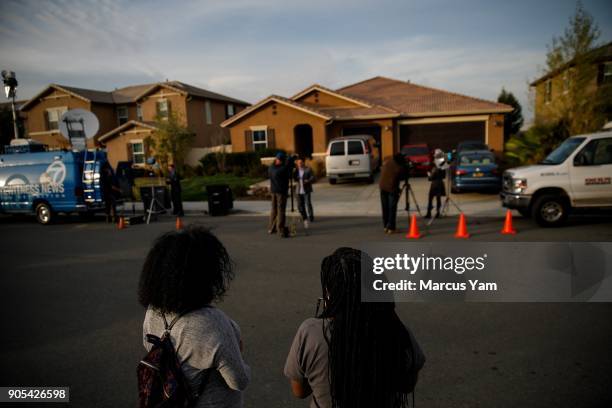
<point x="575" y="176"/>
<point x="46" y="183"/>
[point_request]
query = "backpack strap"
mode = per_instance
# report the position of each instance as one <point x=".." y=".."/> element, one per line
<point x="168" y="327"/>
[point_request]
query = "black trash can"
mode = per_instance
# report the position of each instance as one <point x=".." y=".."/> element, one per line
<point x="161" y="194"/>
<point x="220" y="199"/>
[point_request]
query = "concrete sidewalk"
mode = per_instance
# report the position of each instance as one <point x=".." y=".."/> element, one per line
<point x="352" y="199"/>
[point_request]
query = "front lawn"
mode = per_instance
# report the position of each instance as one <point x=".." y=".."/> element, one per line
<point x="194" y="188"/>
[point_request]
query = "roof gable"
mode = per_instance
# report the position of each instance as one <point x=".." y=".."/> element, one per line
<point x="127" y="125"/>
<point x="339" y="100"/>
<point x="278" y="99"/>
<point x="417" y="100"/>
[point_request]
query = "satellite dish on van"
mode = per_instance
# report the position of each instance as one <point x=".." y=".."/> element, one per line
<point x="78" y="125"/>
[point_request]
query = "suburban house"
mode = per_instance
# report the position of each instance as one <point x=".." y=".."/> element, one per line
<point x="127" y="116"/>
<point x="395" y="112"/>
<point x="554" y="86"/>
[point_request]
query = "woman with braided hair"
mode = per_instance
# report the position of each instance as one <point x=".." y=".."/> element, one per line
<point x="354" y="354"/>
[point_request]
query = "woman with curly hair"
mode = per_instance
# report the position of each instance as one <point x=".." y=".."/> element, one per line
<point x="354" y="354"/>
<point x="183" y="274"/>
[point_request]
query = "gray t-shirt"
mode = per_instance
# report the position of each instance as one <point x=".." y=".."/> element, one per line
<point x="307" y="361"/>
<point x="206" y="339"/>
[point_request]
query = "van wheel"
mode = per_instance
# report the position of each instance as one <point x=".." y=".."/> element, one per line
<point x="44" y="215"/>
<point x="550" y="210"/>
<point x="332" y="181"/>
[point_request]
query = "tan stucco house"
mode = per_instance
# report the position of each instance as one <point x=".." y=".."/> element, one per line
<point x="394" y="112"/>
<point x="127" y="116"/>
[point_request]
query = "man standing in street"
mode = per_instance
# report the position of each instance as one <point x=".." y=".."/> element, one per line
<point x="174" y="181"/>
<point x="437" y="189"/>
<point x="304" y="179"/>
<point x="392" y="173"/>
<point x="279" y="173"/>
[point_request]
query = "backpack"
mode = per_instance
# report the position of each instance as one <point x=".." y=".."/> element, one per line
<point x="161" y="381"/>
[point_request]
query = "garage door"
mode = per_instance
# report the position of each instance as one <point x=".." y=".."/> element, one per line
<point x="445" y="136"/>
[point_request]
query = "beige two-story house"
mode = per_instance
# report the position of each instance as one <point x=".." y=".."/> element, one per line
<point x="127" y="116"/>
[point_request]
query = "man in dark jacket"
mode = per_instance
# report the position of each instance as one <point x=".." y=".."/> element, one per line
<point x="174" y="181"/>
<point x="304" y="178"/>
<point x="279" y="173"/>
<point x="392" y="173"/>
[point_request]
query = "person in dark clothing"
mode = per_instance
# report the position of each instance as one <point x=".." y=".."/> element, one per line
<point x="392" y="173"/>
<point x="304" y="179"/>
<point x="110" y="191"/>
<point x="279" y="173"/>
<point x="174" y="181"/>
<point x="437" y="188"/>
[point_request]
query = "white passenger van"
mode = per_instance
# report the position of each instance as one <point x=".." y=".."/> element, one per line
<point x="577" y="175"/>
<point x="352" y="157"/>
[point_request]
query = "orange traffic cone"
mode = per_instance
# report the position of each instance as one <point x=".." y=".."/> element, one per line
<point x="462" y="228"/>
<point x="121" y="224"/>
<point x="413" y="233"/>
<point x="179" y="223"/>
<point x="508" y="229"/>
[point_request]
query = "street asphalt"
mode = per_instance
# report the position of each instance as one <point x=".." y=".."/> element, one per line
<point x="70" y="315"/>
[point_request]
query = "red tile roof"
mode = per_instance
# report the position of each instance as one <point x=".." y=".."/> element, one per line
<point x="416" y="100"/>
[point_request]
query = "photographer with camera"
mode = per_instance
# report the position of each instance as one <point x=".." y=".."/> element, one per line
<point x="437" y="188"/>
<point x="279" y="172"/>
<point x="393" y="171"/>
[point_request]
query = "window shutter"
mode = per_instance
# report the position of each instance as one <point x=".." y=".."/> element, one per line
<point x="169" y="105"/>
<point x="271" y="139"/>
<point x="130" y="155"/>
<point x="248" y="140"/>
<point x="600" y="74"/>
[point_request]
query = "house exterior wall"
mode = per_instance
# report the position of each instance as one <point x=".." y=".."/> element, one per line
<point x="548" y="111"/>
<point x="117" y="147"/>
<point x="207" y="135"/>
<point x="178" y="105"/>
<point x="283" y="123"/>
<point x="495" y="132"/>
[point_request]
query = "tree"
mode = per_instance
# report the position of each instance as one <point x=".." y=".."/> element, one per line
<point x="513" y="121"/>
<point x="571" y="55"/>
<point x="170" y="141"/>
<point x="533" y="145"/>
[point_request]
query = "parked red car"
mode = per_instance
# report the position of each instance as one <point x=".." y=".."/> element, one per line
<point x="420" y="155"/>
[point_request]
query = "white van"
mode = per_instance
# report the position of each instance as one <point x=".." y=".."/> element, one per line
<point x="352" y="157"/>
<point x="576" y="175"/>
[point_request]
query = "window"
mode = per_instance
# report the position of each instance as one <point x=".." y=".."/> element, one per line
<point x="355" y="147"/>
<point x="260" y="139"/>
<point x="139" y="112"/>
<point x="548" y="91"/>
<point x="53" y="117"/>
<point x="208" y="112"/>
<point x="229" y="110"/>
<point x="138" y="154"/>
<point x="337" y="149"/>
<point x="595" y="153"/>
<point x="606" y="73"/>
<point x="163" y="108"/>
<point x="122" y="114"/>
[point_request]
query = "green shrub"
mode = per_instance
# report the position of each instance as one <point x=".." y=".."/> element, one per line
<point x="269" y="152"/>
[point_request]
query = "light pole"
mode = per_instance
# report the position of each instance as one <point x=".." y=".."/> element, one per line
<point x="10" y="88"/>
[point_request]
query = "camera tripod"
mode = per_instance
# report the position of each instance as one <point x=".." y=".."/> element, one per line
<point x="447" y="199"/>
<point x="409" y="192"/>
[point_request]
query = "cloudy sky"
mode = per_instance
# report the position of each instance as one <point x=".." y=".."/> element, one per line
<point x="252" y="48"/>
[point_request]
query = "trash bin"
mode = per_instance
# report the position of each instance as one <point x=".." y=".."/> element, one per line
<point x="220" y="199"/>
<point x="161" y="195"/>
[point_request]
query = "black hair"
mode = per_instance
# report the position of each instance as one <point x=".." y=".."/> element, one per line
<point x="367" y="341"/>
<point x="185" y="270"/>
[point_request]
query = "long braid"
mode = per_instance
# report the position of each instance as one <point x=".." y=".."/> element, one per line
<point x="366" y="341"/>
